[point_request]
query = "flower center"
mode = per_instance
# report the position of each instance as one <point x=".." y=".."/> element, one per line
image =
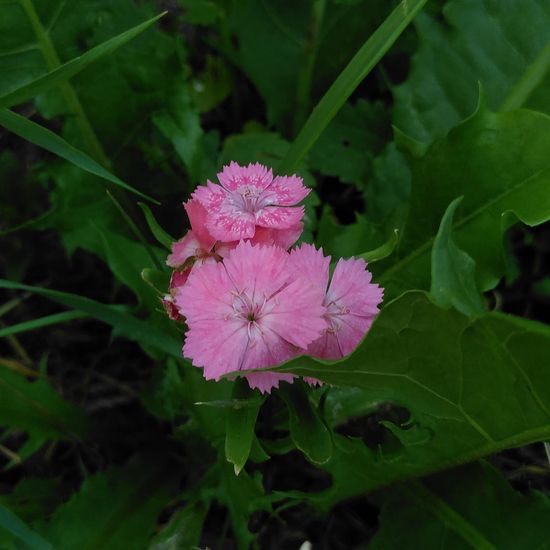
<point x="334" y="315"/>
<point x="248" y="309"/>
<point x="249" y="199"/>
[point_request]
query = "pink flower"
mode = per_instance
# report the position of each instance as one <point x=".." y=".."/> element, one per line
<point x="250" y="197"/>
<point x="249" y="312"/>
<point x="197" y="243"/>
<point x="351" y="300"/>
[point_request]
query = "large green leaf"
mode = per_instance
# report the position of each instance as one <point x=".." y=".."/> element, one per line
<point x="503" y="45"/>
<point x="469" y="507"/>
<point x="500" y="164"/>
<point x="472" y="388"/>
<point x="114" y="509"/>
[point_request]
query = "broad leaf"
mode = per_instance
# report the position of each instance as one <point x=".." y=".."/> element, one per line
<point x="495" y="43"/>
<point x="114" y="509"/>
<point x="469" y="507"/>
<point x="453" y="271"/>
<point x="502" y="170"/>
<point x="472" y="388"/>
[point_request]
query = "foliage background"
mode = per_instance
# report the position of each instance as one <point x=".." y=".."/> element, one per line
<point x="110" y="440"/>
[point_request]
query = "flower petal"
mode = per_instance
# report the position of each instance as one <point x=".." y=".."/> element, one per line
<point x="288" y="190"/>
<point x="279" y="217"/>
<point x="259" y="269"/>
<point x="306" y="261"/>
<point x="188" y="246"/>
<point x="234" y="176"/>
<point x="197" y="217"/>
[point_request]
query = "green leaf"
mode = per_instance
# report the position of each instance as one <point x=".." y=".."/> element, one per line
<point x="114" y="509"/>
<point x="184" y="529"/>
<point x="453" y="271"/>
<point x="356" y="71"/>
<point x="11" y="523"/>
<point x="71" y="68"/>
<point x="46" y="139"/>
<point x="469" y="507"/>
<point x="159" y="280"/>
<point x="158" y="232"/>
<point x="180" y="124"/>
<point x="140" y="331"/>
<point x="307" y="429"/>
<point x="33" y="406"/>
<point x="472" y="387"/>
<point x="46" y="321"/>
<point x="383" y="251"/>
<point x="500" y="164"/>
<point x="348" y="240"/>
<point x="502" y="45"/>
<point x="348" y="145"/>
<point x="239" y="427"/>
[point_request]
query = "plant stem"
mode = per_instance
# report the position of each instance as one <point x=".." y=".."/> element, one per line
<point x="532" y="77"/>
<point x="52" y="61"/>
<point x="303" y="92"/>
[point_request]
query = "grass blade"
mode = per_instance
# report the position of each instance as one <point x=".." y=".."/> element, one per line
<point x="358" y="68"/>
<point x="72" y="67"/>
<point x="12" y="524"/>
<point x="46" y="321"/>
<point x="46" y="139"/>
<point x="133" y="328"/>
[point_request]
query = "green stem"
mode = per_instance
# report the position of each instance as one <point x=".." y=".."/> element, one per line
<point x="358" y="68"/>
<point x="450" y="517"/>
<point x="532" y="77"/>
<point x="303" y="92"/>
<point x="53" y="62"/>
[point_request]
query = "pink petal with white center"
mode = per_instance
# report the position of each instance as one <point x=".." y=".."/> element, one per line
<point x="258" y="268"/>
<point x="234" y="176"/>
<point x="288" y="190"/>
<point x="188" y="246"/>
<point x="306" y="261"/>
<point x="266" y="381"/>
<point x="197" y="217"/>
<point x="211" y="196"/>
<point x="297" y="316"/>
<point x="279" y="217"/>
<point x="230" y="223"/>
<point x="284" y="238"/>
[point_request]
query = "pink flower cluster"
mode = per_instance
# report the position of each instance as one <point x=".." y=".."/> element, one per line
<point x="247" y="300"/>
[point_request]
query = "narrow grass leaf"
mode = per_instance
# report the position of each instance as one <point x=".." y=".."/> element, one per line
<point x="46" y="139"/>
<point x="357" y="70"/>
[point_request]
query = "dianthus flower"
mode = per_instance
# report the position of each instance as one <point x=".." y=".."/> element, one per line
<point x="249" y="198"/>
<point x="249" y="312"/>
<point x="351" y="300"/>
